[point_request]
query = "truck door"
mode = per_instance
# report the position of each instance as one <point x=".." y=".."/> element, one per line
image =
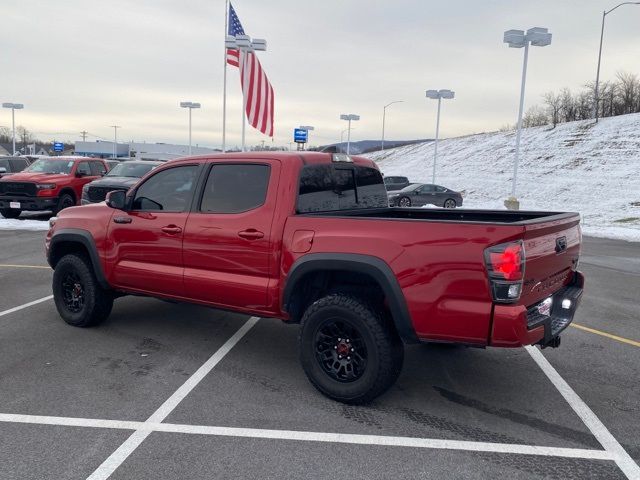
<point x="227" y="242"/>
<point x="145" y="242"/>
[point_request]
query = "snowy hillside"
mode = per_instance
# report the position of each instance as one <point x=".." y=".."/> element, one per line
<point x="578" y="166"/>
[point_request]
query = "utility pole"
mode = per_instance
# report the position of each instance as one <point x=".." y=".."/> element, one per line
<point x="115" y="140"/>
<point x="84" y="135"/>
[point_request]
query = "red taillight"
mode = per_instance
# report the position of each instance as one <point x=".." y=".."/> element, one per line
<point x="508" y="262"/>
<point x="505" y="265"/>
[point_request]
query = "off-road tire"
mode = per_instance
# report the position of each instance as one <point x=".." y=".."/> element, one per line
<point x="97" y="302"/>
<point x="383" y="348"/>
<point x="10" y="212"/>
<point x="65" y="201"/>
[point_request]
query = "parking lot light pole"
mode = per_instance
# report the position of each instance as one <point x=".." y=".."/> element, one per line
<point x="308" y="129"/>
<point x="247" y="46"/>
<point x="13" y="107"/>
<point x="190" y="106"/>
<point x="115" y="140"/>
<point x="438" y="95"/>
<point x="349" y="117"/>
<point x="384" y="113"/>
<point x="538" y="37"/>
<point x="597" y="92"/>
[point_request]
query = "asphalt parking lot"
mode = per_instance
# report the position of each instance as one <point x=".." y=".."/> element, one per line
<point x="175" y="391"/>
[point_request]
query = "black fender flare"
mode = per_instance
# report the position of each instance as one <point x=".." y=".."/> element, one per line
<point x="84" y="238"/>
<point x="372" y="266"/>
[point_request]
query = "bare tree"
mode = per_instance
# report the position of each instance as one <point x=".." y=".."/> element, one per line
<point x="568" y="107"/>
<point x="628" y="92"/>
<point x="535" y="117"/>
<point x="554" y="106"/>
<point x="5" y="135"/>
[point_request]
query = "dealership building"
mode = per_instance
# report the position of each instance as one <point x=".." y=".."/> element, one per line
<point x="147" y="151"/>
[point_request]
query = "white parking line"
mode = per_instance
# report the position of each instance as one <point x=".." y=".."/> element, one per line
<point x="629" y="467"/>
<point x="143" y="429"/>
<point x="105" y="470"/>
<point x="25" y="305"/>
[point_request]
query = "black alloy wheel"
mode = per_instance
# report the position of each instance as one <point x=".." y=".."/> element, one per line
<point x="340" y="350"/>
<point x="73" y="294"/>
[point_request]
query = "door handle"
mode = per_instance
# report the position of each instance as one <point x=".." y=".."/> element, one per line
<point x="251" y="234"/>
<point x="121" y="219"/>
<point x="171" y="229"/>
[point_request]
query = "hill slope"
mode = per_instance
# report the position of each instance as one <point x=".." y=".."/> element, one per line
<point x="578" y="166"/>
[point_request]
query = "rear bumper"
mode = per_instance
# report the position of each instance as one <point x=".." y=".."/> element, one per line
<point x="29" y="203"/>
<point x="516" y="326"/>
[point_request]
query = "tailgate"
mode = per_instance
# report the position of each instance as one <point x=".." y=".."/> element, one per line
<point x="552" y="248"/>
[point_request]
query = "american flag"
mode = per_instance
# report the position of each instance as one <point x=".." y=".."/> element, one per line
<point x="259" y="92"/>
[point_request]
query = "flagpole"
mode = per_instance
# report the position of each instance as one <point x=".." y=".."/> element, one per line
<point x="224" y="84"/>
<point x="243" y="54"/>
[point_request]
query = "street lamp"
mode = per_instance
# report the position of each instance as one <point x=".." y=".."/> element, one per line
<point x="115" y="140"/>
<point x="13" y="107"/>
<point x="247" y="46"/>
<point x="384" y="112"/>
<point x="438" y="95"/>
<point x="349" y="117"/>
<point x="538" y="37"/>
<point x="190" y="106"/>
<point x="308" y="129"/>
<point x="604" y="14"/>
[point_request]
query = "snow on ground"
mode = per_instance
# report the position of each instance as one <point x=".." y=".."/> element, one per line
<point x="26" y="221"/>
<point x="580" y="166"/>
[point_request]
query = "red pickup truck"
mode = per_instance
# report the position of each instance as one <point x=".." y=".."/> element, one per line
<point x="50" y="183"/>
<point x="309" y="238"/>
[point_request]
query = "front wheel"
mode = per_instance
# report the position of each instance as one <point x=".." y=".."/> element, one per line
<point x="349" y="349"/>
<point x="65" y="201"/>
<point x="79" y="299"/>
<point x="404" y="202"/>
<point x="450" y="203"/>
<point x="10" y="212"/>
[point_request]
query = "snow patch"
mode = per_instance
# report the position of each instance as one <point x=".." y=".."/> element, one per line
<point x="593" y="169"/>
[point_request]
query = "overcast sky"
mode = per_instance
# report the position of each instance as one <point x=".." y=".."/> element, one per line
<point x="87" y="64"/>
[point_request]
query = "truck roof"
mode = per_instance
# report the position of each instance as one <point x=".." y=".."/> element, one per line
<point x="303" y="158"/>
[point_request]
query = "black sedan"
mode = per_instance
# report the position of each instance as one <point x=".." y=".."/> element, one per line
<point x="121" y="177"/>
<point x="420" y="194"/>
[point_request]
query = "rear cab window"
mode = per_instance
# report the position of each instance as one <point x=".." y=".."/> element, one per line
<point x="330" y="187"/>
<point x="235" y="188"/>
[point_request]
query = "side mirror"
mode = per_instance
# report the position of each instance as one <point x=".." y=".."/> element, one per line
<point x="3" y="170"/>
<point x="117" y="199"/>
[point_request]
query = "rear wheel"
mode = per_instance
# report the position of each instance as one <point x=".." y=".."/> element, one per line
<point x="349" y="349"/>
<point x="79" y="299"/>
<point x="10" y="212"/>
<point x="65" y="201"/>
<point x="450" y="203"/>
<point x="404" y="202"/>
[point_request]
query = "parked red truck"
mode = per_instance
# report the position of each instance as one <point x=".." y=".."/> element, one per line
<point x="309" y="238"/>
<point x="51" y="183"/>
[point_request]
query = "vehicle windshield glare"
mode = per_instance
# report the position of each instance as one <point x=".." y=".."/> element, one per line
<point x="50" y="165"/>
<point x="127" y="169"/>
<point x="411" y="188"/>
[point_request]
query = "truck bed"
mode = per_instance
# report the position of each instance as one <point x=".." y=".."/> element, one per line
<point x="457" y="215"/>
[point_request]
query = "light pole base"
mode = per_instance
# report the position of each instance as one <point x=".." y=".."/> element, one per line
<point x="512" y="203"/>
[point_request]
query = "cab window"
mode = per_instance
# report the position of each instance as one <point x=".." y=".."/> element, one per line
<point x="83" y="169"/>
<point x="167" y="191"/>
<point x="235" y="188"/>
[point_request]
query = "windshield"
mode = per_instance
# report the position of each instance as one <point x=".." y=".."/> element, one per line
<point x="411" y="188"/>
<point x="50" y="166"/>
<point x="127" y="169"/>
